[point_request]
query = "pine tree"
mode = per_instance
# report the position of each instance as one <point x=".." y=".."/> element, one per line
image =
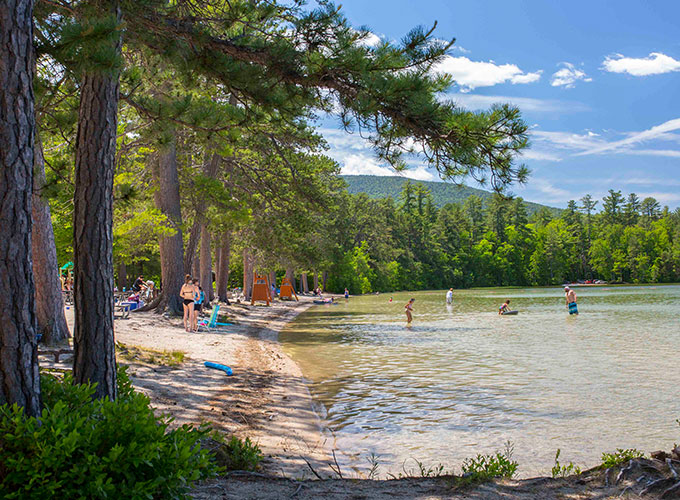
<point x="19" y="378"/>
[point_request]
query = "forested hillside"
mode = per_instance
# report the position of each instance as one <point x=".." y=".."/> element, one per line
<point x="407" y="243"/>
<point x="442" y="192"/>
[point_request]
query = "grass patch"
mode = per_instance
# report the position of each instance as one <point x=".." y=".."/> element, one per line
<point x="620" y="456"/>
<point x="136" y="354"/>
<point x="234" y="453"/>
<point x="483" y="468"/>
<point x="560" y="470"/>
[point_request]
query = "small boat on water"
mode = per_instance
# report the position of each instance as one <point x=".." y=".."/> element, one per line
<point x="324" y="301"/>
<point x="509" y="313"/>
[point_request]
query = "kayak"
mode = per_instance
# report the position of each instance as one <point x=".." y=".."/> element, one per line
<point x="510" y="313"/>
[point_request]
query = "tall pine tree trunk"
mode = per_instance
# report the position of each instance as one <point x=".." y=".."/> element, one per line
<point x="210" y="166"/>
<point x="223" y="270"/>
<point x="49" y="303"/>
<point x="122" y="276"/>
<point x="206" y="264"/>
<point x="272" y="279"/>
<point x="192" y="244"/>
<point x="316" y="279"/>
<point x="19" y="378"/>
<point x="94" y="355"/>
<point x="167" y="200"/>
<point x="247" y="274"/>
<point x="305" y="286"/>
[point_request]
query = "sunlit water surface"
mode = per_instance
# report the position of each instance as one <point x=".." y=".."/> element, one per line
<point x="463" y="380"/>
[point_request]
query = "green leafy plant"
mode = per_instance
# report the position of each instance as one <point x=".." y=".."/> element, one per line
<point x="235" y="453"/>
<point x="560" y="470"/>
<point x="483" y="468"/>
<point x="620" y="456"/>
<point x="85" y="448"/>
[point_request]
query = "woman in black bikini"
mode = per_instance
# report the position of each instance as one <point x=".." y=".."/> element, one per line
<point x="187" y="293"/>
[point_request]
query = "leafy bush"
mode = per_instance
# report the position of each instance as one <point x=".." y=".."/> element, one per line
<point x="620" y="456"/>
<point x="486" y="467"/>
<point x="85" y="448"/>
<point x="560" y="470"/>
<point x="236" y="454"/>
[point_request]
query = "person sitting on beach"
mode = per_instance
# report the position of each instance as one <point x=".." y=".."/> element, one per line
<point x="139" y="284"/>
<point x="409" y="309"/>
<point x="570" y="297"/>
<point x="187" y="294"/>
<point x="505" y="307"/>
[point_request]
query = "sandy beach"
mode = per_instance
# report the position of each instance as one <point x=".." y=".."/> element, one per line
<point x="267" y="400"/>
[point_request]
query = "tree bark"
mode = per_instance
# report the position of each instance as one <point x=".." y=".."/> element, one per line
<point x="247" y="274"/>
<point x="305" y="286"/>
<point x="223" y="269"/>
<point x="94" y="355"/>
<point x="210" y="166"/>
<point x="290" y="274"/>
<point x="122" y="276"/>
<point x="192" y="244"/>
<point x="167" y="200"/>
<point x="316" y="280"/>
<point x="19" y="378"/>
<point x="324" y="278"/>
<point x="272" y="280"/>
<point x="205" y="278"/>
<point x="196" y="267"/>
<point x="49" y="303"/>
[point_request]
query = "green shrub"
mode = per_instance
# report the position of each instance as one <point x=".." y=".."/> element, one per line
<point x="236" y="454"/>
<point x="486" y="467"/>
<point x="620" y="456"/>
<point x="560" y="470"/>
<point x="85" y="448"/>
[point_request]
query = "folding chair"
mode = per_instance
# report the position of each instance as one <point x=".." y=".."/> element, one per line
<point x="212" y="323"/>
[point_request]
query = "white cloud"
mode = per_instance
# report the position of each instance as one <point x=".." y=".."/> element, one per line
<point x="661" y="197"/>
<point x="638" y="137"/>
<point x="360" y="164"/>
<point x="477" y="102"/>
<point x="533" y="154"/>
<point x="568" y="76"/>
<point x="655" y="63"/>
<point x="472" y="74"/>
<point x="371" y="40"/>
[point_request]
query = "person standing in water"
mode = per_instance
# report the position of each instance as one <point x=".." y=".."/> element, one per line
<point x="570" y="297"/>
<point x="346" y="293"/>
<point x="505" y="307"/>
<point x="409" y="308"/>
<point x="449" y="296"/>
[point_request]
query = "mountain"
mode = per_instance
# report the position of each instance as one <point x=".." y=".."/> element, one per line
<point x="442" y="192"/>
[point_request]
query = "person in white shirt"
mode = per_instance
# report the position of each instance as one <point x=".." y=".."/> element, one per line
<point x="449" y="296"/>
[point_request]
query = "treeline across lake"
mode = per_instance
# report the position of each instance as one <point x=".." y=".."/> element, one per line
<point x="410" y="244"/>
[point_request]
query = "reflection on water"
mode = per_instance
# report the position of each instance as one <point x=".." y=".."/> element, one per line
<point x="463" y="380"/>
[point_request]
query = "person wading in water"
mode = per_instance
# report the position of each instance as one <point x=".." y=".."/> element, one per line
<point x="570" y="296"/>
<point x="409" y="308"/>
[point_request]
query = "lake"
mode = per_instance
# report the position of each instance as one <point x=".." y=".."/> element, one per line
<point x="463" y="380"/>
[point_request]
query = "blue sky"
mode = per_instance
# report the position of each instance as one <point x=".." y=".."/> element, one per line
<point x="598" y="82"/>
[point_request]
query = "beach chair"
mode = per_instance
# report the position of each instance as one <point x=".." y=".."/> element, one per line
<point x="212" y="323"/>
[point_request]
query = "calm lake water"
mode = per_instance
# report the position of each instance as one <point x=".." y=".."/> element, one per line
<point x="463" y="380"/>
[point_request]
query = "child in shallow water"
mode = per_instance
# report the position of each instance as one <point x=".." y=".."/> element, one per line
<point x="505" y="307"/>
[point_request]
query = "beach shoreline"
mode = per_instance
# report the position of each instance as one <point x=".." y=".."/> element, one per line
<point x="266" y="399"/>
